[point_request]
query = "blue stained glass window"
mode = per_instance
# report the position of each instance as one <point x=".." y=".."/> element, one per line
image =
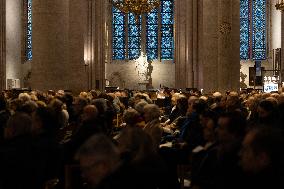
<point x="259" y="30"/>
<point x="253" y="29"/>
<point x="118" y="33"/>
<point x="167" y="14"/>
<point x="127" y="43"/>
<point x="244" y="29"/>
<point x="134" y="37"/>
<point x="152" y="35"/>
<point x="29" y="53"/>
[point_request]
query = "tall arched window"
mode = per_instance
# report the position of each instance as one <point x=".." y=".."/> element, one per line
<point x="253" y="29"/>
<point x="27" y="37"/>
<point x="159" y="38"/>
<point x="118" y="34"/>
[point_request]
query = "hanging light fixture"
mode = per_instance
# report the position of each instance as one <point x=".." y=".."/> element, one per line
<point x="137" y="7"/>
<point x="279" y="5"/>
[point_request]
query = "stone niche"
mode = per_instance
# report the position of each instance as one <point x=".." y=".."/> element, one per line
<point x="125" y="75"/>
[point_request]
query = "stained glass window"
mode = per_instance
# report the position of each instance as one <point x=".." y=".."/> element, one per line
<point x="134" y="37"/>
<point x="259" y="30"/>
<point x="253" y="29"/>
<point x="244" y="29"/>
<point x="167" y="19"/>
<point x="29" y="52"/>
<point x="118" y="34"/>
<point x="158" y="35"/>
<point x="152" y="29"/>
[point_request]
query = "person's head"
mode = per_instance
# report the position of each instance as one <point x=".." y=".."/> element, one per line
<point x="233" y="101"/>
<point x="191" y="101"/>
<point x="90" y="112"/>
<point x="101" y="105"/>
<point x="174" y="98"/>
<point x="131" y="117"/>
<point x="44" y="120"/>
<point x="151" y="112"/>
<point x="29" y="107"/>
<point x="59" y="93"/>
<point x="208" y="121"/>
<point x="17" y="125"/>
<point x="24" y="97"/>
<point x="135" y="144"/>
<point x="182" y="104"/>
<point x="199" y="106"/>
<point x="131" y="102"/>
<point x="83" y="94"/>
<point x="139" y="107"/>
<point x="15" y="105"/>
<point x="262" y="150"/>
<point x="98" y="157"/>
<point x="56" y="104"/>
<point x="250" y="103"/>
<point x="68" y="98"/>
<point x="231" y="127"/>
<point x="217" y="96"/>
<point x="265" y="109"/>
<point x="78" y="104"/>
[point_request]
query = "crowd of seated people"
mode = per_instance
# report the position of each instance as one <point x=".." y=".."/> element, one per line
<point x="131" y="139"/>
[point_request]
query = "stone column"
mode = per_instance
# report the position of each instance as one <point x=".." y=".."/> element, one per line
<point x="99" y="14"/>
<point x="228" y="45"/>
<point x="209" y="45"/>
<point x="282" y="47"/>
<point x="186" y="43"/>
<point x="2" y="44"/>
<point x="50" y="44"/>
<point x="220" y="45"/>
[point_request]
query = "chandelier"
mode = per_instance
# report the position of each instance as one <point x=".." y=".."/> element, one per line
<point x="280" y="5"/>
<point x="137" y="7"/>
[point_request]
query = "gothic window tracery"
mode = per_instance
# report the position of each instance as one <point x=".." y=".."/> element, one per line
<point x="253" y="29"/>
<point x="159" y="36"/>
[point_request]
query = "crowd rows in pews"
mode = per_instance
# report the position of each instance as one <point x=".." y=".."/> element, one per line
<point x="127" y="139"/>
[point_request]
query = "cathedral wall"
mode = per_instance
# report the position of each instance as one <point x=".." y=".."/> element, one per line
<point x="66" y="35"/>
<point x="125" y="75"/>
<point x="58" y="45"/>
<point x="273" y="41"/>
<point x="13" y="39"/>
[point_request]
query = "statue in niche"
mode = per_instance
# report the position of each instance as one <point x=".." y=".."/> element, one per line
<point x="243" y="77"/>
<point x="144" y="68"/>
<point x="242" y="82"/>
<point x="149" y="70"/>
<point x="149" y="75"/>
<point x="26" y="79"/>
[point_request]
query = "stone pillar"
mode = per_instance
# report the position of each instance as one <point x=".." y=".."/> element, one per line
<point x="2" y="44"/>
<point x="50" y="44"/>
<point x="186" y="43"/>
<point x="228" y="45"/>
<point x="282" y="47"/>
<point x="77" y="70"/>
<point x="98" y="41"/>
<point x="208" y="49"/>
<point x="220" y="45"/>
